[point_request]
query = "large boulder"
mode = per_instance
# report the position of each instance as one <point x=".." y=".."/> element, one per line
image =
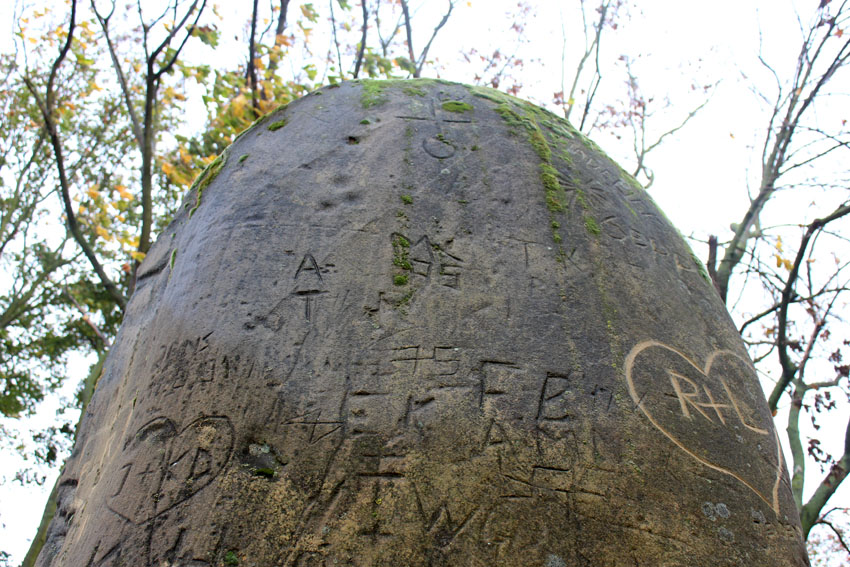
<point x="423" y="324"/>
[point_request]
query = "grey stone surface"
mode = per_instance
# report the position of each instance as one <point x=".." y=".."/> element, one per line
<point x="422" y="324"/>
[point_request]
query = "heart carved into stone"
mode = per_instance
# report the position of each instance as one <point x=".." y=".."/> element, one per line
<point x="161" y="467"/>
<point x="715" y="412"/>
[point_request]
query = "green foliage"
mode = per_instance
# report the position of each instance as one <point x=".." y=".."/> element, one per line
<point x="277" y="125"/>
<point x="457" y="106"/>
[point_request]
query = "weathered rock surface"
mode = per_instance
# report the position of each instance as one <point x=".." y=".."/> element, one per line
<point x="410" y="324"/>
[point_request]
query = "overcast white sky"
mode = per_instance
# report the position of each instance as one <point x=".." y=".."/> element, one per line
<point x="701" y="173"/>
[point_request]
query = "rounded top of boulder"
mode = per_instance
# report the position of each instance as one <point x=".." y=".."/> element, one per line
<point x="423" y="323"/>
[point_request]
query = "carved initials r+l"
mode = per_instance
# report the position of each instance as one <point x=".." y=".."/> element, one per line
<point x="692" y="398"/>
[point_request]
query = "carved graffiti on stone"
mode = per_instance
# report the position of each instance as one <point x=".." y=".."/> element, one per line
<point x="707" y="410"/>
<point x="163" y="466"/>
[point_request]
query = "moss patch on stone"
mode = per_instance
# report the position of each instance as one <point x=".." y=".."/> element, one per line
<point x="401" y="252"/>
<point x="413" y="90"/>
<point x="555" y="195"/>
<point x="407" y="199"/>
<point x="400" y="279"/>
<point x="264" y="472"/>
<point x="457" y="106"/>
<point x="591" y="225"/>
<point x="243" y="157"/>
<point x="372" y="93"/>
<point x="206" y="177"/>
<point x="277" y="125"/>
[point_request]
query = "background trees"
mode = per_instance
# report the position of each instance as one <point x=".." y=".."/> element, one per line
<point x="111" y="110"/>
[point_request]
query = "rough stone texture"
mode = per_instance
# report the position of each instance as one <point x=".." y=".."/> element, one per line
<point x="410" y="324"/>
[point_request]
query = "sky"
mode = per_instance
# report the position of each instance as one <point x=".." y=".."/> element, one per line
<point x="701" y="173"/>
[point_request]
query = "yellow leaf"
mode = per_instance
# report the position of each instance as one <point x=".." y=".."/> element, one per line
<point x="103" y="233"/>
<point x="779" y="243"/>
<point x="123" y="192"/>
<point x="93" y="191"/>
<point x="167" y="168"/>
<point x="138" y="256"/>
<point x="238" y="105"/>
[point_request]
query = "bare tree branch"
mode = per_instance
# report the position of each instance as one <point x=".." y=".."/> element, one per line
<point x="789" y="369"/>
<point x="362" y="49"/>
<point x="47" y="109"/>
<point x="423" y="57"/>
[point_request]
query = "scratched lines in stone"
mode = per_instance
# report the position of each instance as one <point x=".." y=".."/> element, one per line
<point x="182" y="367"/>
<point x="706" y="410"/>
<point x="438" y="145"/>
<point x="164" y="466"/>
<point x="307" y="289"/>
<point x="426" y="260"/>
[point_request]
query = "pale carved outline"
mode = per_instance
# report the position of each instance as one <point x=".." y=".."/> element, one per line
<point x="773" y="499"/>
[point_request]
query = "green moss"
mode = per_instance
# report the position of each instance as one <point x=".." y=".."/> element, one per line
<point x="407" y="199"/>
<point x="538" y="142"/>
<point x="442" y="137"/>
<point x="404" y="300"/>
<point x="264" y="472"/>
<point x="700" y="267"/>
<point x="510" y="115"/>
<point x="231" y="559"/>
<point x="581" y="197"/>
<point x="414" y="91"/>
<point x="401" y="252"/>
<point x="261" y="120"/>
<point x="591" y="225"/>
<point x="634" y="183"/>
<point x="457" y="106"/>
<point x="372" y="93"/>
<point x="400" y="279"/>
<point x="172" y="260"/>
<point x="206" y="177"/>
<point x="277" y="125"/>
<point x="555" y="195"/>
<point x="365" y="121"/>
<point x="243" y="157"/>
<point x="475" y="148"/>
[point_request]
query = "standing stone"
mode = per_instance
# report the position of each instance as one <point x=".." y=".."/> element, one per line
<point x="423" y="324"/>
